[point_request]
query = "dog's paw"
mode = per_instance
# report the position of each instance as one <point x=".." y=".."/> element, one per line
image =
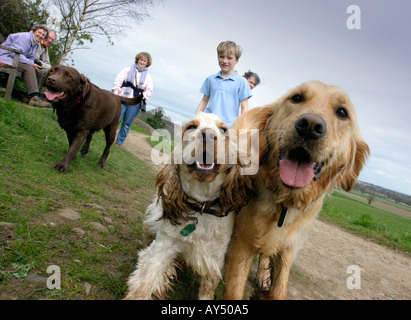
<point x="84" y="151"/>
<point x="62" y="167"/>
<point x="102" y="164"/>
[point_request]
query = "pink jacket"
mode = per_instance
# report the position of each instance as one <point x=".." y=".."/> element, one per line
<point x="122" y="76"/>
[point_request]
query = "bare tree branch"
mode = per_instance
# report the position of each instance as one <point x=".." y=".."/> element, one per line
<point x="82" y="20"/>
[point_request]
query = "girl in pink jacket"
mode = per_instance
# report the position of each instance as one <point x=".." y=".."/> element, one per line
<point x="131" y="82"/>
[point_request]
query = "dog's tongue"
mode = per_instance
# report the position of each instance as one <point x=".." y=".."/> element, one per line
<point x="51" y="95"/>
<point x="296" y="174"/>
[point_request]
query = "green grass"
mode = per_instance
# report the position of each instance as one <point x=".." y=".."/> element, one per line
<point x="386" y="227"/>
<point x="162" y="144"/>
<point x="136" y="128"/>
<point x="166" y="145"/>
<point x="32" y="192"/>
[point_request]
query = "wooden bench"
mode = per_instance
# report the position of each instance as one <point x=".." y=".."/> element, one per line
<point x="12" y="71"/>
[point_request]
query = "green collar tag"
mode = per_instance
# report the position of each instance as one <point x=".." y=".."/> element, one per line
<point x="187" y="230"/>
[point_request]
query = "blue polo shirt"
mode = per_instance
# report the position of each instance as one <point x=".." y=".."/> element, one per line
<point x="225" y="95"/>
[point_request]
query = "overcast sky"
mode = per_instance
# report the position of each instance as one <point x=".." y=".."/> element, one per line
<point x="286" y="42"/>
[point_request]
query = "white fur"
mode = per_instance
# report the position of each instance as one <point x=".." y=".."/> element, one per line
<point x="203" y="250"/>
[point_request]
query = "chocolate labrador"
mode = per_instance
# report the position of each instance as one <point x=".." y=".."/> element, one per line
<point x="82" y="109"/>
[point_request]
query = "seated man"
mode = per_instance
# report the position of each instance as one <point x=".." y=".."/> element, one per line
<point x="28" y="43"/>
<point x="42" y="62"/>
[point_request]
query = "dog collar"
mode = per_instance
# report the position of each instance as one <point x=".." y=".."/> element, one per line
<point x="202" y="207"/>
<point x="207" y="207"/>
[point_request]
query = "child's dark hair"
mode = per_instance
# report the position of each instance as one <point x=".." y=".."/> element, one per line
<point x="250" y="74"/>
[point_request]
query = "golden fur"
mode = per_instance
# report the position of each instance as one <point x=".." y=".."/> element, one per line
<point x="339" y="150"/>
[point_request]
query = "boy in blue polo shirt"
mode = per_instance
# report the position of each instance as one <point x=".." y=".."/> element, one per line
<point x="225" y="91"/>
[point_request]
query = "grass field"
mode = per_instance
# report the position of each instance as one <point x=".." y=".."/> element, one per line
<point x="95" y="263"/>
<point x="32" y="193"/>
<point x="353" y="213"/>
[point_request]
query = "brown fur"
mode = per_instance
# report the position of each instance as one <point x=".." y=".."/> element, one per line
<point x="343" y="152"/>
<point x="82" y="110"/>
<point x="174" y="199"/>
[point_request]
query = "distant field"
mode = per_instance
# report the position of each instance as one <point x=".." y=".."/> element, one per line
<point x="388" y="224"/>
<point x="392" y="208"/>
<point x="381" y="201"/>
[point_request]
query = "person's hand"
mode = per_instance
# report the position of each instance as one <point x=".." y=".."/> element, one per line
<point x="37" y="67"/>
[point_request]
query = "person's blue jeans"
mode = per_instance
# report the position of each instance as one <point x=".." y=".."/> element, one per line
<point x="127" y="114"/>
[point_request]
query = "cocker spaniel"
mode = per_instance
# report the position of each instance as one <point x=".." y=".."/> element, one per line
<point x="193" y="213"/>
<point x="309" y="142"/>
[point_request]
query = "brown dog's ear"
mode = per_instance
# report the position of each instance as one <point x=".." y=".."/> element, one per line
<point x="171" y="194"/>
<point x="361" y="152"/>
<point x="85" y="83"/>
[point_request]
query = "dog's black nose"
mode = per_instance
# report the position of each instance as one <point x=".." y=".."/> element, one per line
<point x="311" y="126"/>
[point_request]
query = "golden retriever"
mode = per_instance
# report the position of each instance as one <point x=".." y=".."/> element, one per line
<point x="309" y="142"/>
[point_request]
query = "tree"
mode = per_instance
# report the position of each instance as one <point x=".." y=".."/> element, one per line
<point x="371" y="198"/>
<point x="82" y="20"/>
<point x="156" y="118"/>
<point x="21" y="15"/>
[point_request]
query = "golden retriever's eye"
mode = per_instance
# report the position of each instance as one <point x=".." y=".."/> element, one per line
<point x="341" y="113"/>
<point x="297" y="98"/>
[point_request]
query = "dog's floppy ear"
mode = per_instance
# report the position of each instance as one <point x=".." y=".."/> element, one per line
<point x="360" y="152"/>
<point x="85" y="83"/>
<point x="171" y="194"/>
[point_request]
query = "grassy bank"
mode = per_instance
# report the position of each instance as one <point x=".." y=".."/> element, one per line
<point x="94" y="261"/>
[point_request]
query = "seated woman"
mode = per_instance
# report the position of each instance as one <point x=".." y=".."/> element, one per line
<point x="28" y="43"/>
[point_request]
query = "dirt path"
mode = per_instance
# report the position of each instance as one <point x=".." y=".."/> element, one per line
<point x="137" y="144"/>
<point x="320" y="268"/>
<point x="327" y="254"/>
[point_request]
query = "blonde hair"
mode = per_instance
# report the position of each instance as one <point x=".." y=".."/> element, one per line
<point x="145" y="55"/>
<point x="229" y="47"/>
